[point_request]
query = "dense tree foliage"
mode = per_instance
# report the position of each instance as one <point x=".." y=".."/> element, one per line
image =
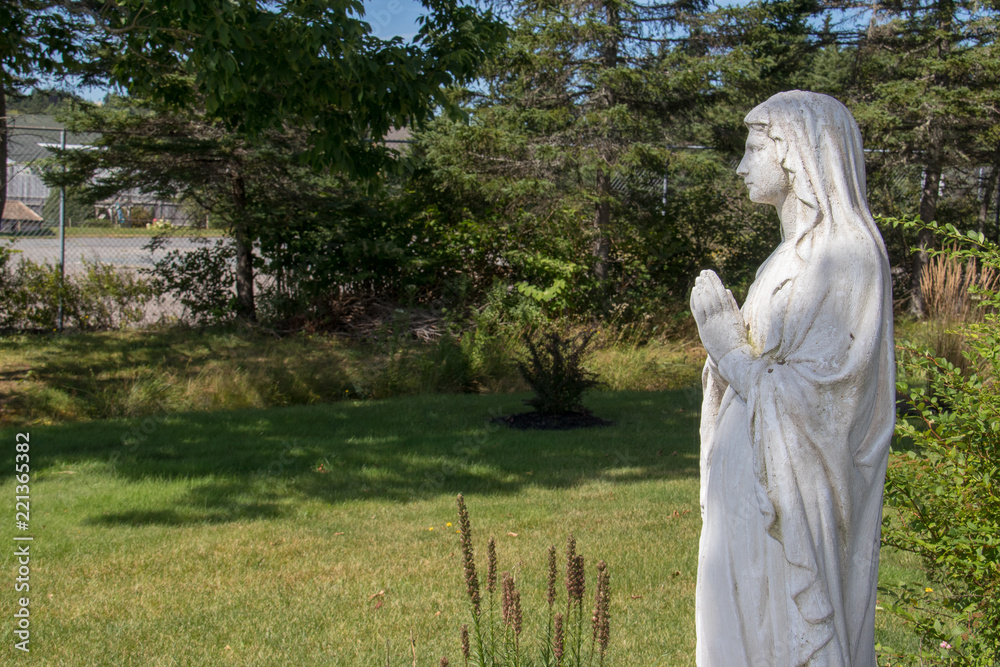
<point x="257" y="66"/>
<point x="242" y="76"/>
<point x="42" y="101"/>
<point x="927" y="96"/>
<point x="593" y="173"/>
<point x="315" y="231"/>
<point x="184" y="154"/>
<point x="40" y="38"/>
<point x="598" y="155"/>
<point x="565" y="149"/>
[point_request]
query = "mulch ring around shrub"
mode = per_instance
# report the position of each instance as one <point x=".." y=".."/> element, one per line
<point x="562" y="421"/>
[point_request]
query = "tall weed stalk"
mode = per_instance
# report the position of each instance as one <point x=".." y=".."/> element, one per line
<point x="572" y="638"/>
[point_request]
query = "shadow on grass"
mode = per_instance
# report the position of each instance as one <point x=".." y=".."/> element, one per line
<point x="213" y="502"/>
<point x="173" y="517"/>
<point x="246" y="463"/>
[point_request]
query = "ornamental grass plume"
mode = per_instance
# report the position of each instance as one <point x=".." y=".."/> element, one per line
<point x="553" y="576"/>
<point x="602" y="616"/>
<point x="575" y="589"/>
<point x="570" y="559"/>
<point x="517" y="613"/>
<point x="575" y="594"/>
<point x="491" y="566"/>
<point x="466" y="649"/>
<point x="576" y="583"/>
<point x="510" y="609"/>
<point x="559" y="641"/>
<point x="468" y="558"/>
<point x="495" y="639"/>
<point x="506" y="596"/>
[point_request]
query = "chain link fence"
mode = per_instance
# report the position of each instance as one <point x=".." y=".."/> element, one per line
<point x="47" y="229"/>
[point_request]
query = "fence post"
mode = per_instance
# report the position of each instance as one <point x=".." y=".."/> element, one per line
<point x="62" y="239"/>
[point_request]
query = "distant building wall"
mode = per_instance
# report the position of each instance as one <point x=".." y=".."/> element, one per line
<point x="26" y="187"/>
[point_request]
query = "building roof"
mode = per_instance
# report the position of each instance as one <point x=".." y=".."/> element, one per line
<point x="30" y="136"/>
<point x="15" y="210"/>
<point x="398" y="135"/>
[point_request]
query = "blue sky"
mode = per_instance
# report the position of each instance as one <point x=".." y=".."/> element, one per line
<point x="391" y="18"/>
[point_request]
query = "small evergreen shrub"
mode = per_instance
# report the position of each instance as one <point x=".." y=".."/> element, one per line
<point x="554" y="370"/>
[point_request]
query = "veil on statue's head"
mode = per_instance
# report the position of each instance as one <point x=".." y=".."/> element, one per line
<point x="820" y="149"/>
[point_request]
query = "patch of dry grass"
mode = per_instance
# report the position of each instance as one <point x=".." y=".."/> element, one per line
<point x="80" y="376"/>
<point x="948" y="286"/>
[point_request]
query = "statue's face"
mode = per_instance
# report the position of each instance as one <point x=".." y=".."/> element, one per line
<point x="767" y="182"/>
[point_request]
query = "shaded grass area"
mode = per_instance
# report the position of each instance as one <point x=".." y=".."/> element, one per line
<point x="316" y="535"/>
<point x="79" y="376"/>
<point x="92" y="376"/>
<point x="302" y="535"/>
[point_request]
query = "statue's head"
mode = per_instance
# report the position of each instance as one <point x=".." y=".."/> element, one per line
<point x="761" y="168"/>
<point x="806" y="145"/>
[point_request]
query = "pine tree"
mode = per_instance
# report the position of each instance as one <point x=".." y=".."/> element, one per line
<point x="573" y="122"/>
<point x="927" y="95"/>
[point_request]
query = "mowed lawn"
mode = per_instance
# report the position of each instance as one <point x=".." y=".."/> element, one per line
<point x="319" y="535"/>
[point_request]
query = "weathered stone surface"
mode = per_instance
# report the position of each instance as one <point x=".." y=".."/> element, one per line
<point x="798" y="408"/>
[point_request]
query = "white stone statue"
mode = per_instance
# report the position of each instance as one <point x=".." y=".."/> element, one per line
<point x="798" y="409"/>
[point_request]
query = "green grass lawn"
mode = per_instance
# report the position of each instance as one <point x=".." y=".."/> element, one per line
<point x="319" y="535"/>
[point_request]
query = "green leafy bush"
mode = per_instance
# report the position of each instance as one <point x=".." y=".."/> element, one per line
<point x="201" y="279"/>
<point x="98" y="298"/>
<point x="106" y="297"/>
<point x="941" y="486"/>
<point x="555" y="372"/>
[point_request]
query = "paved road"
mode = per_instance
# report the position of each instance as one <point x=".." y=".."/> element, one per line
<point x="124" y="252"/>
<point x="120" y="251"/>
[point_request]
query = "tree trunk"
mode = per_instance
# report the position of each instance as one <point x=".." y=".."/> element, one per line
<point x="945" y="11"/>
<point x="989" y="189"/>
<point x="3" y="147"/>
<point x="602" y="218"/>
<point x="984" y="202"/>
<point x="245" y="308"/>
<point x="602" y="215"/>
<point x="996" y="211"/>
<point x="943" y="15"/>
<point x="928" y="211"/>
